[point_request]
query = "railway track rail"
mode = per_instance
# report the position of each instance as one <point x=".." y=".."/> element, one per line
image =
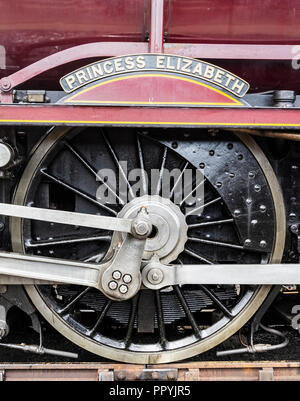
<point x="149" y="205"/>
<point x="194" y="371"/>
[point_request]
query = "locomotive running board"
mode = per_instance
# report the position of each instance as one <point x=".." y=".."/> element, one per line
<point x="23" y="269"/>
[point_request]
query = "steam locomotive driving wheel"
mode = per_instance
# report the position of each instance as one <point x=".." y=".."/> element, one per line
<point x="241" y="220"/>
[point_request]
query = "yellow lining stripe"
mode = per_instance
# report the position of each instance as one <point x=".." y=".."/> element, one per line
<point x="152" y="122"/>
<point x="71" y="99"/>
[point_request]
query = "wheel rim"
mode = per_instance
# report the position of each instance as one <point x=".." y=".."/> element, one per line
<point x="156" y="352"/>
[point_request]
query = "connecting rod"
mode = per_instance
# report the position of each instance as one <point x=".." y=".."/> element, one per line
<point x="139" y="227"/>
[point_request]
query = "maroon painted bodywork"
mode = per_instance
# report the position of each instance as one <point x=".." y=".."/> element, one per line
<point x="34" y="29"/>
<point x="146" y="116"/>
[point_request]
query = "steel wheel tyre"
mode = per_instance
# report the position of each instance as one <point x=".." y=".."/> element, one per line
<point x="241" y="309"/>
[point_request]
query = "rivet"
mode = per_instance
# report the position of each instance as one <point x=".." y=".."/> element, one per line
<point x="5" y="83"/>
<point x="262" y="208"/>
<point x="262" y="244"/>
<point x="294" y="228"/>
<point x="247" y="242"/>
<point x="257" y="188"/>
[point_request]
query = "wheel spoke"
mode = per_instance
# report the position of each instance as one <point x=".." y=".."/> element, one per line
<point x="178" y="180"/>
<point x="217" y="243"/>
<point x="101" y="317"/>
<point x="66" y="241"/>
<point x="77" y="191"/>
<point x="95" y="258"/>
<point x="210" y="223"/>
<point x="91" y="169"/>
<point x="73" y="301"/>
<point x="199" y="257"/>
<point x="118" y="164"/>
<point x="216" y="300"/>
<point x="142" y="166"/>
<point x="161" y="171"/>
<point x="187" y="311"/>
<point x="193" y="190"/>
<point x="202" y="207"/>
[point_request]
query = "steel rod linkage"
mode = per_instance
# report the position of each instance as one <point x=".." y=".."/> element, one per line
<point x="156" y="275"/>
<point x="23" y="269"/>
<point x="137" y="227"/>
<point x="119" y="277"/>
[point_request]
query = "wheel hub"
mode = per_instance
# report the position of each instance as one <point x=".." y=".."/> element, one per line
<point x="169" y="233"/>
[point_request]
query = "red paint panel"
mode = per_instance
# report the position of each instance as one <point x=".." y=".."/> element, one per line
<point x="233" y="21"/>
<point x="151" y="89"/>
<point x="33" y="29"/>
<point x="144" y="116"/>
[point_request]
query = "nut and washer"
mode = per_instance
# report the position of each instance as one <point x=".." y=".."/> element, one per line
<point x="113" y="285"/>
<point x="123" y="289"/>
<point x="155" y="276"/>
<point x="141" y="228"/>
<point x="117" y="275"/>
<point x="127" y="278"/>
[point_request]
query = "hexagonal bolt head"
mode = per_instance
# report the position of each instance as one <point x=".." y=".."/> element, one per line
<point x="127" y="278"/>
<point x="112" y="285"/>
<point x="141" y="228"/>
<point x="117" y="275"/>
<point x="123" y="289"/>
<point x="141" y="225"/>
<point x="155" y="276"/>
